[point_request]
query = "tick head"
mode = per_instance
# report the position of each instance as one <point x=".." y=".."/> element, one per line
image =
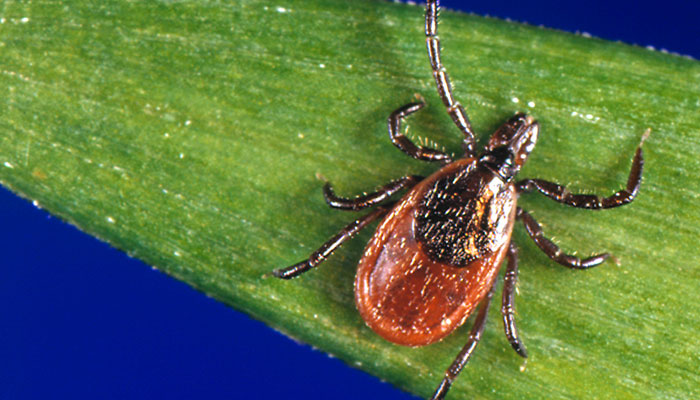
<point x="511" y="144"/>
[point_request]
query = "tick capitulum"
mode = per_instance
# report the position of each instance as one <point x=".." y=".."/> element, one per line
<point x="437" y="252"/>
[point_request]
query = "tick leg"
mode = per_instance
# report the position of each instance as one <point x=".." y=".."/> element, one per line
<point x="552" y="250"/>
<point x="330" y="246"/>
<point x="508" y="309"/>
<point x="442" y="81"/>
<point x="463" y="356"/>
<point x="370" y="199"/>
<point x="562" y="195"/>
<point x="404" y="144"/>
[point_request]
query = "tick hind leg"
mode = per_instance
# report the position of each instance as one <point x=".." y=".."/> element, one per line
<point x="562" y="195"/>
<point x="508" y="308"/>
<point x="370" y="199"/>
<point x="463" y="356"/>
<point x="331" y="245"/>
<point x="404" y="144"/>
<point x="552" y="250"/>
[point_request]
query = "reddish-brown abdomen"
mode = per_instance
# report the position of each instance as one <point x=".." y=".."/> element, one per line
<point x="410" y="298"/>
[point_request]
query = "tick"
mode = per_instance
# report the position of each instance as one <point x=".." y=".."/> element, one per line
<point x="436" y="254"/>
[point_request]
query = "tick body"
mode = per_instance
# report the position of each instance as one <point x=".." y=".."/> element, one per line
<point x="436" y="254"/>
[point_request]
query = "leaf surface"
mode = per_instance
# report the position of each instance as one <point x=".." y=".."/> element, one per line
<point x="191" y="134"/>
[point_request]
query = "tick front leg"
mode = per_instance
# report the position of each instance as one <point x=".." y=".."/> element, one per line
<point x="552" y="250"/>
<point x="404" y="144"/>
<point x="370" y="199"/>
<point x="508" y="309"/>
<point x="442" y="81"/>
<point x="562" y="195"/>
<point x="330" y="246"/>
<point x="463" y="356"/>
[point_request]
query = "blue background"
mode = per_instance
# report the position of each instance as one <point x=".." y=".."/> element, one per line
<point x="81" y="320"/>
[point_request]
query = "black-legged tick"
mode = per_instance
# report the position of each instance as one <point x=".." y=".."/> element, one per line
<point x="436" y="254"/>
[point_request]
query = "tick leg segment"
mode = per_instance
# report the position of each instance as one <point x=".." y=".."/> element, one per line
<point x="442" y="81"/>
<point x="562" y="195"/>
<point x="331" y="245"/>
<point x="552" y="250"/>
<point x="370" y="199"/>
<point x="404" y="144"/>
<point x="508" y="309"/>
<point x="463" y="356"/>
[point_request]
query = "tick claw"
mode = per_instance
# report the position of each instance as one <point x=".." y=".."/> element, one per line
<point x="281" y="273"/>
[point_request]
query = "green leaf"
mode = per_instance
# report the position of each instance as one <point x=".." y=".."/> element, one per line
<point x="190" y="134"/>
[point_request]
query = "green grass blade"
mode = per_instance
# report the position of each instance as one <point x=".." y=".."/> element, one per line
<point x="190" y="134"/>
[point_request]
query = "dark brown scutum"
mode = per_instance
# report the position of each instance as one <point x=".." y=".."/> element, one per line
<point x="461" y="216"/>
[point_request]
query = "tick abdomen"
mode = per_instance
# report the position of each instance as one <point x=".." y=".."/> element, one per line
<point x="413" y="297"/>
